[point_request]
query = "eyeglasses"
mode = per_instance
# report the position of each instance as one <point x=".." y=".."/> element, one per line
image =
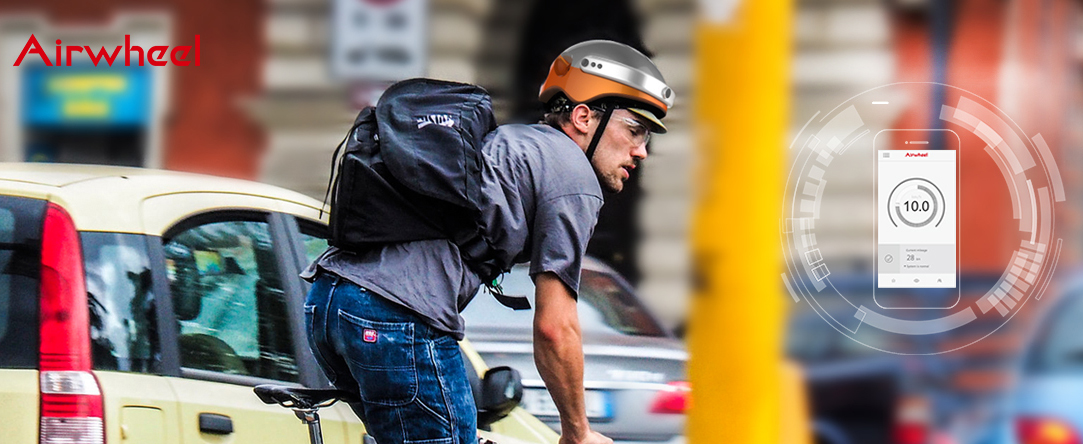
<point x="638" y="132"/>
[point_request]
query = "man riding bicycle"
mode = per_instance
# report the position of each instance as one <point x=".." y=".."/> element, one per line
<point x="384" y="322"/>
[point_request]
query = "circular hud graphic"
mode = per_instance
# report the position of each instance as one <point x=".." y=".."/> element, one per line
<point x="913" y="286"/>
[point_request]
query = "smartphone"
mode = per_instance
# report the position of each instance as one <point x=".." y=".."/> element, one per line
<point x="917" y="219"/>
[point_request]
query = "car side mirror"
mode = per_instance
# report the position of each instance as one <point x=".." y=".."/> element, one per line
<point x="501" y="392"/>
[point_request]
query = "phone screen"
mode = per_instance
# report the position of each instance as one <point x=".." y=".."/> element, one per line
<point x="917" y="229"/>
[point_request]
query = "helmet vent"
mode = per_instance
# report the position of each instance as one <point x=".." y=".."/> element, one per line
<point x="561" y="66"/>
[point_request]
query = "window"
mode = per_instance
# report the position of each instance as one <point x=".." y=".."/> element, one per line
<point x="605" y="306"/>
<point x="228" y="298"/>
<point x="120" y="292"/>
<point x="617" y="308"/>
<point x="20" y="262"/>
<point x="1058" y="348"/>
<point x="314" y="238"/>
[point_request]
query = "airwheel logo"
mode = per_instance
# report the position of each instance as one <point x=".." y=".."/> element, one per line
<point x="63" y="54"/>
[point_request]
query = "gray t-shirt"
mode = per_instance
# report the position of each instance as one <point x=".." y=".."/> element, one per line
<point x="542" y="201"/>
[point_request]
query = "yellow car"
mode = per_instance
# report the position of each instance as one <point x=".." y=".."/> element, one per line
<point x="142" y="306"/>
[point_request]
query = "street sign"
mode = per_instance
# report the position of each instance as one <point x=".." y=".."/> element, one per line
<point x="85" y="95"/>
<point x="378" y="40"/>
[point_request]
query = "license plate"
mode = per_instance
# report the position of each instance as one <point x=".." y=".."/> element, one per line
<point x="539" y="403"/>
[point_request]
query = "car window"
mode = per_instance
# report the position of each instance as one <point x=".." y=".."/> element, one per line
<point x="815" y="337"/>
<point x="20" y="262"/>
<point x="314" y="238"/>
<point x="229" y="301"/>
<point x="618" y="307"/>
<point x="1058" y="347"/>
<point x="123" y="321"/>
<point x="809" y="338"/>
<point x="605" y="305"/>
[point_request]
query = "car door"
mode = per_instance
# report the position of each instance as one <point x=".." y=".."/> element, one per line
<point x="308" y="240"/>
<point x="234" y="324"/>
<point x="139" y="403"/>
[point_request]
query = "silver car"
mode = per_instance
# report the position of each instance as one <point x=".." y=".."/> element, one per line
<point x="1046" y="403"/>
<point x="637" y="388"/>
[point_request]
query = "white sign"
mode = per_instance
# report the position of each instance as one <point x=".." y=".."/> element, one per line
<point x="718" y="12"/>
<point x="378" y="40"/>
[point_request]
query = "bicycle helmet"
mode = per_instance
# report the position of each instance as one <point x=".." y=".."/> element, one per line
<point x="607" y="75"/>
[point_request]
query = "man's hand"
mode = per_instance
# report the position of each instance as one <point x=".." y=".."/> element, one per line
<point x="591" y="438"/>
<point x="558" y="353"/>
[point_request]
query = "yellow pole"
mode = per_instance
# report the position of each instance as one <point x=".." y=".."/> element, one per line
<point x="742" y="98"/>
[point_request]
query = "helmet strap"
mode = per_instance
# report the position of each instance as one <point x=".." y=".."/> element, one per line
<point x="598" y="132"/>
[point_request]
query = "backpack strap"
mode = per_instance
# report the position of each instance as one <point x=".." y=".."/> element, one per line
<point x="473" y="249"/>
<point x="334" y="165"/>
<point x="512" y="302"/>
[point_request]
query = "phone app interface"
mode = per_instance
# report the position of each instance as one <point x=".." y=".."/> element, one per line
<point x="916" y="218"/>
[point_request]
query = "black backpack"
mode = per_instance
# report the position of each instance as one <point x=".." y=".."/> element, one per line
<point x="411" y="170"/>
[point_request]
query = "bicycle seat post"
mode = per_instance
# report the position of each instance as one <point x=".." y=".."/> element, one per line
<point x="304" y="402"/>
<point x="312" y="418"/>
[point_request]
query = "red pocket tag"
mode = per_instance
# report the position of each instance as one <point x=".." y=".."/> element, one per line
<point x="370" y="335"/>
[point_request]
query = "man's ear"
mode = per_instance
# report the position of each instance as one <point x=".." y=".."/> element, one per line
<point x="581" y="118"/>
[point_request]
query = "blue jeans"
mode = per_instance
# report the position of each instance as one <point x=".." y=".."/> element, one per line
<point x="410" y="377"/>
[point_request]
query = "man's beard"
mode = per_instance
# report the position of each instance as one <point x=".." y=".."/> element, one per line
<point x="608" y="183"/>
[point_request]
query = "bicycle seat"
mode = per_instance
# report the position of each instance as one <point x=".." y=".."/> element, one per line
<point x="304" y="398"/>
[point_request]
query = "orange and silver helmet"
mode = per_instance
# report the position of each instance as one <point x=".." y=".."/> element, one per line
<point x="596" y="70"/>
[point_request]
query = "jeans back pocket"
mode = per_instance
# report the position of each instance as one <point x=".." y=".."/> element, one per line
<point x="317" y="342"/>
<point x="381" y="358"/>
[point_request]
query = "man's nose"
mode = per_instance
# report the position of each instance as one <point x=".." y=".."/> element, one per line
<point x="640" y="151"/>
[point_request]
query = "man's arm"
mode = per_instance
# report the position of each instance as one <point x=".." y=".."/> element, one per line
<point x="558" y="353"/>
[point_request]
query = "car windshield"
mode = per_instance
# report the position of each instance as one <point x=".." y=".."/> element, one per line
<point x="606" y="304"/>
<point x="810" y="338"/>
<point x="1058" y="347"/>
<point x="814" y="336"/>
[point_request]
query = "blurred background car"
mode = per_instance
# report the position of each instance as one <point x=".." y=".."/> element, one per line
<point x="137" y="305"/>
<point x="860" y="393"/>
<point x="634" y="372"/>
<point x="1045" y="406"/>
<point x="857" y="394"/>
<point x="854" y="391"/>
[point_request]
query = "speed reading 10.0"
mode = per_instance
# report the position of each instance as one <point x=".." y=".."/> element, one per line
<point x="916" y="202"/>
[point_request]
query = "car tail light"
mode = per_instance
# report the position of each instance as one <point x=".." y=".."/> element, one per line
<point x="675" y="398"/>
<point x="912" y="419"/>
<point x="1038" y="430"/>
<point x="910" y="434"/>
<point x="71" y="401"/>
